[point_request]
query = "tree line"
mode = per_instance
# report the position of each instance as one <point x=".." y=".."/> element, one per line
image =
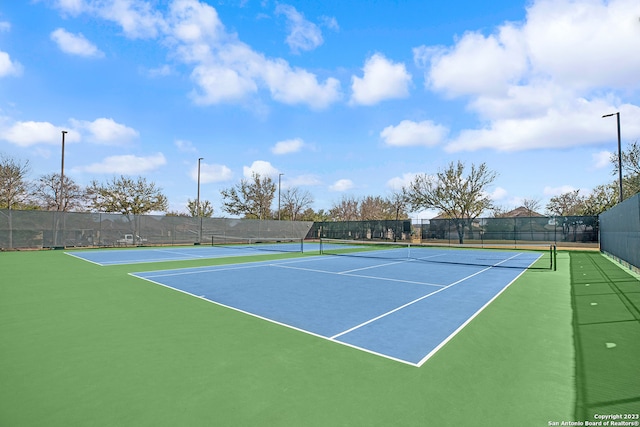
<point x="456" y="192"/>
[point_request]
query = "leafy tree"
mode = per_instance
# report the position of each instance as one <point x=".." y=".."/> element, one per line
<point x="47" y="192"/>
<point x="375" y="208"/>
<point x="14" y="187"/>
<point x="630" y="169"/>
<point x="130" y="197"/>
<point x="602" y="198"/>
<point x="459" y="197"/>
<point x="566" y="204"/>
<point x="126" y="196"/>
<point x="294" y="202"/>
<point x="251" y="198"/>
<point x="206" y="210"/>
<point x="345" y="210"/>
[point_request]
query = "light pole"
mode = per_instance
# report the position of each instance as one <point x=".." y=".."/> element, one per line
<point x="61" y="204"/>
<point x="617" y="114"/>
<point x="198" y="204"/>
<point x="279" y="177"/>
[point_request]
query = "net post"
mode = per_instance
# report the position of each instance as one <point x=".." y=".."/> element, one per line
<point x="555" y="257"/>
<point x="550" y="257"/>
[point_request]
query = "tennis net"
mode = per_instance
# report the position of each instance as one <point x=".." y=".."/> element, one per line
<point x="441" y="255"/>
<point x="276" y="244"/>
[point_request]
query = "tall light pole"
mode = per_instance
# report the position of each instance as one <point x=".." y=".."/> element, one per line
<point x="61" y="204"/>
<point x="279" y="181"/>
<point x="198" y="204"/>
<point x="617" y="114"/>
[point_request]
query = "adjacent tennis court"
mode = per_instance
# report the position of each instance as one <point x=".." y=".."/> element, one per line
<point x="232" y="248"/>
<point x="401" y="303"/>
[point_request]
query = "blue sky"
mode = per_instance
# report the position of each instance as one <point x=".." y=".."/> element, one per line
<point x="344" y="98"/>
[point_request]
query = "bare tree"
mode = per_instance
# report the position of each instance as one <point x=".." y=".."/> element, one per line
<point x="459" y="197"/>
<point x="531" y="205"/>
<point x="47" y="192"/>
<point x="345" y="210"/>
<point x="251" y="198"/>
<point x="375" y="208"/>
<point x="295" y="202"/>
<point x="14" y="187"/>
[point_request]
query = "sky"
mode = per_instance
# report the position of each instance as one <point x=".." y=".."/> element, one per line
<point x="337" y="98"/>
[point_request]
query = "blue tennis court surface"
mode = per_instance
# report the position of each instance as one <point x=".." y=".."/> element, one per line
<point x="159" y="254"/>
<point x="402" y="309"/>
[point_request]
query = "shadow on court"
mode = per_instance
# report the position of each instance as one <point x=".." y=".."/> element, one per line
<point x="606" y="323"/>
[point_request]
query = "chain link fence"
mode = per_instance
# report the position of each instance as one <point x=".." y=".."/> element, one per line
<point x="391" y="230"/>
<point x="573" y="230"/>
<point x="580" y="231"/>
<point x="53" y="229"/>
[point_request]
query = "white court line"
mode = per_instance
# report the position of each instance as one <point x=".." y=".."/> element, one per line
<point x="84" y="259"/>
<point x="374" y="266"/>
<point x="387" y="279"/>
<point x="204" y="298"/>
<point x="419" y="299"/>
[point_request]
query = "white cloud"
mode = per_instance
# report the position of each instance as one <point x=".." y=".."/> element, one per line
<point x="75" y="44"/>
<point x="408" y="133"/>
<point x="382" y="79"/>
<point x="585" y="44"/>
<point x="288" y="146"/>
<point x="556" y="191"/>
<point x="476" y="64"/>
<point x="224" y="69"/>
<point x="5" y="26"/>
<point x="602" y="159"/>
<point x="262" y="168"/>
<point x="72" y="7"/>
<point x="498" y="194"/>
<point x="540" y="83"/>
<point x="574" y="124"/>
<point x="185" y="146"/>
<point x="341" y="185"/>
<point x="137" y="18"/>
<point x="303" y="35"/>
<point x="330" y="22"/>
<point x="26" y="134"/>
<point x="9" y="67"/>
<point x="303" y="180"/>
<point x="127" y="164"/>
<point x="161" y="71"/>
<point x="397" y="183"/>
<point x="106" y="131"/>
<point x="211" y="173"/>
<point x="227" y="70"/>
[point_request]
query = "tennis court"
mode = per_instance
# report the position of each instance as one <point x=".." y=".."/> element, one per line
<point x="392" y="303"/>
<point x="251" y="247"/>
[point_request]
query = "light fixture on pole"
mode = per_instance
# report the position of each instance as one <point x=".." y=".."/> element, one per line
<point x="279" y="181"/>
<point x="61" y="201"/>
<point x="620" y="196"/>
<point x="198" y="204"/>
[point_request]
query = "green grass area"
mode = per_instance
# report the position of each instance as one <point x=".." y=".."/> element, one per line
<point x="93" y="346"/>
